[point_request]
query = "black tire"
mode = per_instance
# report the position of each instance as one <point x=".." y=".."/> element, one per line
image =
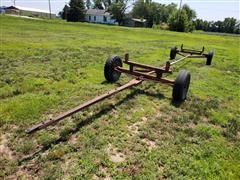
<point x="209" y="58"/>
<point x="173" y="53"/>
<point x="111" y="75"/>
<point x="181" y="85"/>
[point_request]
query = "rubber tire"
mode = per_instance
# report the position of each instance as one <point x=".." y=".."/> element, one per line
<point x="181" y="86"/>
<point x="209" y="58"/>
<point x="109" y="69"/>
<point x="173" y="53"/>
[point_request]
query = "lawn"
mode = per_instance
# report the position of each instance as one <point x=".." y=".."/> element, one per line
<point x="47" y="67"/>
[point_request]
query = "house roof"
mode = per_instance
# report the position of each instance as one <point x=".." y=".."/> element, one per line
<point x="28" y="9"/>
<point x="98" y="12"/>
<point x="139" y="20"/>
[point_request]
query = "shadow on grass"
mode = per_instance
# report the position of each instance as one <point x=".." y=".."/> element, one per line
<point x="176" y="104"/>
<point x="106" y="82"/>
<point x="65" y="137"/>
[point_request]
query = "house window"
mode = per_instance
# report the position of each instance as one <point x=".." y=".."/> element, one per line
<point x="94" y="18"/>
<point x="104" y="19"/>
<point x="89" y="17"/>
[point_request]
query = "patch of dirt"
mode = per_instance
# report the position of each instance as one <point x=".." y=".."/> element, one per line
<point x="135" y="127"/>
<point x="23" y="174"/>
<point x="104" y="171"/>
<point x="131" y="170"/>
<point x="5" y="151"/>
<point x="191" y="125"/>
<point x="150" y="144"/>
<point x="73" y="139"/>
<point x="95" y="177"/>
<point x="115" y="155"/>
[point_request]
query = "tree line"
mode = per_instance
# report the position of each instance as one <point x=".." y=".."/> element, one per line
<point x="228" y="25"/>
<point x="156" y="14"/>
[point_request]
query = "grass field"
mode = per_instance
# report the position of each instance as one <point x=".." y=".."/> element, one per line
<point x="47" y="67"/>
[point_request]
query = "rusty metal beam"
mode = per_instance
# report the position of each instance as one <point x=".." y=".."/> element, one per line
<point x="199" y="56"/>
<point x="146" y="66"/>
<point x="144" y="76"/>
<point x="191" y="51"/>
<point x="53" y="121"/>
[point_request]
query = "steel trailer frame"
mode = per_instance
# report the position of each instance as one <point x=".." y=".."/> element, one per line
<point x="144" y="72"/>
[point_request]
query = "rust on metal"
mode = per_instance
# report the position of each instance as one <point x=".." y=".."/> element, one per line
<point x="130" y="63"/>
<point x="144" y="76"/>
<point x="53" y="121"/>
<point x="126" y="57"/>
<point x="145" y="72"/>
<point x="167" y="66"/>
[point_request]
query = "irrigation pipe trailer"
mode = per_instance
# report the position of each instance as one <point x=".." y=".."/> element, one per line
<point x="114" y="67"/>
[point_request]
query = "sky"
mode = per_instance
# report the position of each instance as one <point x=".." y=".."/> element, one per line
<point x="206" y="9"/>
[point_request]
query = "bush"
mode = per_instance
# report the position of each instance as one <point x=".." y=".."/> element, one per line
<point x="179" y="21"/>
<point x="76" y="11"/>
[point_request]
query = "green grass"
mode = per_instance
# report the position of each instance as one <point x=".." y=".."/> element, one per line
<point x="47" y="67"/>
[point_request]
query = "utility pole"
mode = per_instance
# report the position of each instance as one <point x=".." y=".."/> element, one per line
<point x="49" y="5"/>
<point x="14" y="2"/>
<point x="179" y="12"/>
<point x="180" y="4"/>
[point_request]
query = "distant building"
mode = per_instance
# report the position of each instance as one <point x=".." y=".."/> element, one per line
<point x="25" y="11"/>
<point x="2" y="9"/>
<point x="99" y="16"/>
<point x="133" y="22"/>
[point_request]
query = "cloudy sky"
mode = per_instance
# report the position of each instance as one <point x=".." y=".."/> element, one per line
<point x="206" y="9"/>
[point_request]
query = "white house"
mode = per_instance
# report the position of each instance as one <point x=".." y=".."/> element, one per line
<point x="99" y="16"/>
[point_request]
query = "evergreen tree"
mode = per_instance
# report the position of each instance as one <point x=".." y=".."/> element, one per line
<point x="178" y="21"/>
<point x="64" y="12"/>
<point x="76" y="11"/>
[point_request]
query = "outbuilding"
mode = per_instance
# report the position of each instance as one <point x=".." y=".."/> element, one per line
<point x="2" y="9"/>
<point x="26" y="11"/>
<point x="134" y="22"/>
<point x="99" y="16"/>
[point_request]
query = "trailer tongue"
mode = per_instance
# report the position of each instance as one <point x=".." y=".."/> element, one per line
<point x="113" y="69"/>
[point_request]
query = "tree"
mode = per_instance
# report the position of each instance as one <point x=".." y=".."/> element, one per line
<point x="183" y="19"/>
<point x="76" y="11"/>
<point x="117" y="9"/>
<point x="140" y="9"/>
<point x="191" y="15"/>
<point x="190" y="12"/>
<point x="145" y="10"/>
<point x="107" y="3"/>
<point x="229" y="25"/>
<point x="237" y="28"/>
<point x="153" y="12"/>
<point x="166" y="11"/>
<point x="88" y="4"/>
<point x="199" y="24"/>
<point x="178" y="21"/>
<point x="98" y="4"/>
<point x="64" y="12"/>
